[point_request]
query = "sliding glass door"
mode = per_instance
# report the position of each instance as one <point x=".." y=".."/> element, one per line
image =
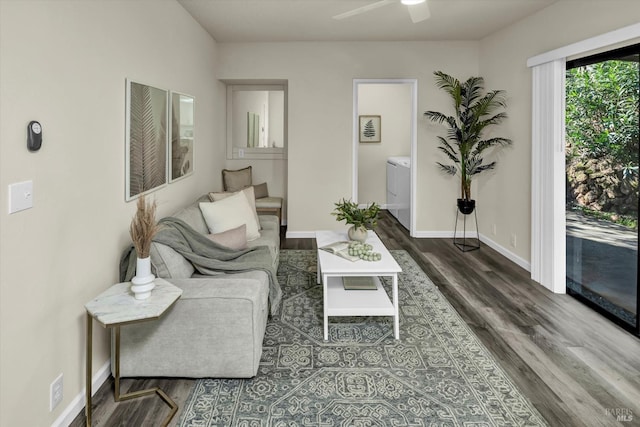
<point x="602" y="128"/>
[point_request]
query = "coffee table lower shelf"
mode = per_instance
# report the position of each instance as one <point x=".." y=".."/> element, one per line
<point x="340" y="302"/>
<point x="357" y="302"/>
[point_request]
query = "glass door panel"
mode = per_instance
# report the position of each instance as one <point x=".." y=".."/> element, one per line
<point x="602" y="125"/>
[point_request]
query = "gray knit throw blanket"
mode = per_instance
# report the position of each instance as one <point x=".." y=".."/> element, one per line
<point x="207" y="256"/>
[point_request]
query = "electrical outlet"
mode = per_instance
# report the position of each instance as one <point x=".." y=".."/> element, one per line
<point x="55" y="393"/>
<point x="513" y="240"/>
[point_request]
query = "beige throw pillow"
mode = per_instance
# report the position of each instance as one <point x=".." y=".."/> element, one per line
<point x="236" y="238"/>
<point x="229" y="213"/>
<point x="248" y="193"/>
<point x="236" y="180"/>
<point x="261" y="190"/>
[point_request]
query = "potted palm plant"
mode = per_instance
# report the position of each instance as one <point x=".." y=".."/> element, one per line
<point x="474" y="112"/>
<point x="358" y="218"/>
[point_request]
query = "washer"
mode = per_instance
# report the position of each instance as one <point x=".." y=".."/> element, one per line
<point x="398" y="186"/>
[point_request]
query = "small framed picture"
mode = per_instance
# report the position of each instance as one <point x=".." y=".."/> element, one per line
<point x="370" y="129"/>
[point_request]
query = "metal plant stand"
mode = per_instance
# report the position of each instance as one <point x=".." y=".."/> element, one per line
<point x="462" y="243"/>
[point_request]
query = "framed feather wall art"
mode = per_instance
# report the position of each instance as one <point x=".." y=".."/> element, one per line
<point x="181" y="144"/>
<point x="146" y="138"/>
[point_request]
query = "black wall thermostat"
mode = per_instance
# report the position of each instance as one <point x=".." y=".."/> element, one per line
<point x="34" y="136"/>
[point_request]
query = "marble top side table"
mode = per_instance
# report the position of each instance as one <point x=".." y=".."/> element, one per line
<point x="117" y="307"/>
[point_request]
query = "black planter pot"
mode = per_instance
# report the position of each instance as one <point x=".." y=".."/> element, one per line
<point x="465" y="243"/>
<point x="466" y="206"/>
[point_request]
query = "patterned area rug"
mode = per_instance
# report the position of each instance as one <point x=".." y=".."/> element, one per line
<point x="437" y="374"/>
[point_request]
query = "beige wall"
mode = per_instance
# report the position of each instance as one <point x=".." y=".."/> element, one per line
<point x="504" y="196"/>
<point x="64" y="63"/>
<point x="393" y="103"/>
<point x="320" y="77"/>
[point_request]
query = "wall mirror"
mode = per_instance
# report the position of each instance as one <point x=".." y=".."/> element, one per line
<point x="256" y="121"/>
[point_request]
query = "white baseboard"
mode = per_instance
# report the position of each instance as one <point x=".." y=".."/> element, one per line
<point x="301" y="234"/>
<point x="506" y="253"/>
<point x="437" y="234"/>
<point x="516" y="259"/>
<point x="441" y="235"/>
<point x="79" y="402"/>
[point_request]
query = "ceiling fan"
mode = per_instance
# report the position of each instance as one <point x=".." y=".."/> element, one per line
<point x="418" y="9"/>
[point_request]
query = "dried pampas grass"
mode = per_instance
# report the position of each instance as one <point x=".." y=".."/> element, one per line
<point x="143" y="226"/>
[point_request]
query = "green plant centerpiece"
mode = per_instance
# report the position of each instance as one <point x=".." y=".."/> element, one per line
<point x="474" y="112"/>
<point x="359" y="218"/>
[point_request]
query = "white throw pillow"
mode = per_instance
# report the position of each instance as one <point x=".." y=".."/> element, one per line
<point x="249" y="194"/>
<point x="230" y="213"/>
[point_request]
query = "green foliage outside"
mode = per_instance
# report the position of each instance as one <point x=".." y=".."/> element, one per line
<point x="602" y="112"/>
<point x="625" y="220"/>
<point x="602" y="126"/>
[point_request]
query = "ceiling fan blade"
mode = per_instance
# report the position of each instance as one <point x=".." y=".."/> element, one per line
<point x="364" y="9"/>
<point x="419" y="12"/>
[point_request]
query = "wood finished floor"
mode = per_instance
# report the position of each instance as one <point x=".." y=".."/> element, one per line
<point x="577" y="368"/>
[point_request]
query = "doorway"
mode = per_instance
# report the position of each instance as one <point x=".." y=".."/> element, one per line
<point x="391" y="107"/>
<point x="602" y="158"/>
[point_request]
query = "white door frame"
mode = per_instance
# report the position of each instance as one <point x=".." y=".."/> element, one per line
<point x="548" y="231"/>
<point x="414" y="140"/>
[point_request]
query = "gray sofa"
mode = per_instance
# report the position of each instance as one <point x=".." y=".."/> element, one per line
<point x="217" y="326"/>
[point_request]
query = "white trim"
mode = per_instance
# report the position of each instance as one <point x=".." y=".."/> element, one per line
<point x="414" y="142"/>
<point x="435" y="235"/>
<point x="79" y="402"/>
<point x="355" y="141"/>
<point x="603" y="40"/>
<point x="511" y="256"/>
<point x="301" y="235"/>
<point x="548" y="230"/>
<point x="414" y="159"/>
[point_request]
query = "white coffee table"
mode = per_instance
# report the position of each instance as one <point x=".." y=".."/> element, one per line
<point x="340" y="302"/>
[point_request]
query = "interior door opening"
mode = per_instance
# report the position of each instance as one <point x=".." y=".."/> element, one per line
<point x="384" y="142"/>
<point x="602" y="157"/>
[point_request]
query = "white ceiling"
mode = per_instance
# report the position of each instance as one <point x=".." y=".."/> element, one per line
<point x="310" y="20"/>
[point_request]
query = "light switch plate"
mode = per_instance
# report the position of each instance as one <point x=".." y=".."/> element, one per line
<point x="20" y="196"/>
